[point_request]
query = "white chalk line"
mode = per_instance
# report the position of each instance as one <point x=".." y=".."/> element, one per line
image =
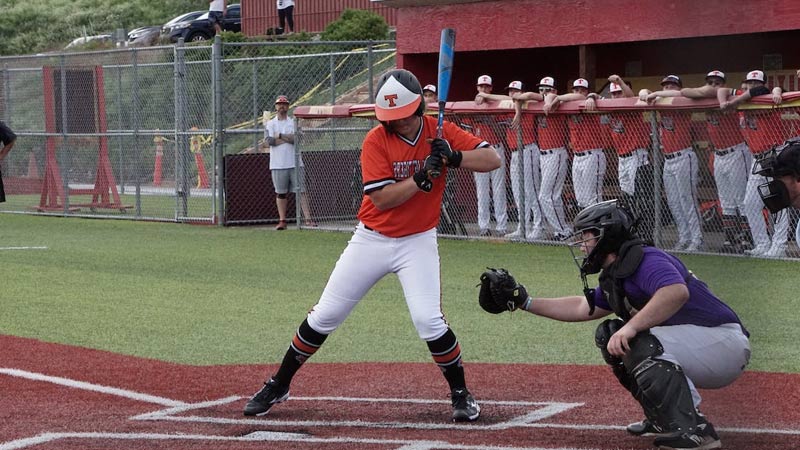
<point x="264" y="436"/>
<point x="24" y="248"/>
<point x="532" y="419"/>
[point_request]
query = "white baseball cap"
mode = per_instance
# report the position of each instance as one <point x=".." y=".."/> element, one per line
<point x="716" y="74"/>
<point x="485" y="79"/>
<point x="755" y="75"/>
<point x="614" y="87"/>
<point x="515" y="85"/>
<point x="547" y="82"/>
<point x="429" y="87"/>
<point x="580" y="82"/>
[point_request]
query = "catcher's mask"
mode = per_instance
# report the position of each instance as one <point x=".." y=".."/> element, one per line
<point x="608" y="224"/>
<point x="779" y="161"/>
<point x="399" y="96"/>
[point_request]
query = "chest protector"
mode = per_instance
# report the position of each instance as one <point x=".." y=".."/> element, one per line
<point x="612" y="278"/>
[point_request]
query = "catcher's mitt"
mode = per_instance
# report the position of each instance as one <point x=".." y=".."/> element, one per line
<point x="500" y="291"/>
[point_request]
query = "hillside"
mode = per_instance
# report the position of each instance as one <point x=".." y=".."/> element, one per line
<point x="34" y="26"/>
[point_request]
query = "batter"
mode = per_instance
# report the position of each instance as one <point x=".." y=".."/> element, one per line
<point x="396" y="234"/>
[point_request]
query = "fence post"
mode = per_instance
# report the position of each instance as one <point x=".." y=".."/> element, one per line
<point x="63" y="164"/>
<point x="181" y="138"/>
<point x="6" y="93"/>
<point x="119" y="126"/>
<point x="369" y="72"/>
<point x="217" y="134"/>
<point x="657" y="177"/>
<point x="136" y="125"/>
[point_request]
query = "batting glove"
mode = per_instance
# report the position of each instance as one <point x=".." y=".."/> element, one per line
<point x="442" y="147"/>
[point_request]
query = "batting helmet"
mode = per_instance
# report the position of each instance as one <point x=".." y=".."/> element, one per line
<point x="611" y="224"/>
<point x="399" y="96"/>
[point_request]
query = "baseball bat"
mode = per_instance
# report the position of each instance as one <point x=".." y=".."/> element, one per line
<point x="447" y="47"/>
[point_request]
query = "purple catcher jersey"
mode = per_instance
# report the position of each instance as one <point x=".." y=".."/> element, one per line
<point x="658" y="269"/>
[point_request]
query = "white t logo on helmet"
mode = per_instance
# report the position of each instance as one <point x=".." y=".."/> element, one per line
<point x="395" y="101"/>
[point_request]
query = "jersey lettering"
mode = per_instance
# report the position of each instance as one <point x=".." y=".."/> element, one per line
<point x="617" y="126"/>
<point x="405" y="169"/>
<point x="667" y="123"/>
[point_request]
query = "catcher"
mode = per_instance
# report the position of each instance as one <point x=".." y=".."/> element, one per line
<point x="671" y="336"/>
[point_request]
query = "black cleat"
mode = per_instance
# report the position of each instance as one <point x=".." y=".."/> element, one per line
<point x="703" y="438"/>
<point x="465" y="408"/>
<point x="269" y="395"/>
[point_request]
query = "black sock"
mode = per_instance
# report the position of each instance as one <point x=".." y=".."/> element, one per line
<point x="306" y="342"/>
<point x="447" y="354"/>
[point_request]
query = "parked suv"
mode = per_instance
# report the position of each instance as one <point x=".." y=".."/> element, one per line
<point x="201" y="28"/>
<point x="180" y="22"/>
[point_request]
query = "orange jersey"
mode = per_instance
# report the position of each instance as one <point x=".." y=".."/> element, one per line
<point x="629" y="132"/>
<point x="764" y="128"/>
<point x="528" y="132"/>
<point x="724" y="129"/>
<point x="586" y="132"/>
<point x="387" y="158"/>
<point x="484" y="127"/>
<point x="675" y="131"/>
<point x="552" y="131"/>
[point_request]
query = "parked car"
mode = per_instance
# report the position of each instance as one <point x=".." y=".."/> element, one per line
<point x="144" y="35"/>
<point x="180" y="22"/>
<point x="201" y="28"/>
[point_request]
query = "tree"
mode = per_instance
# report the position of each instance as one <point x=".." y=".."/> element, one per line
<point x="357" y="25"/>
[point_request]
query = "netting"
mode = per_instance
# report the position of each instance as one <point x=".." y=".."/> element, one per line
<point x="683" y="166"/>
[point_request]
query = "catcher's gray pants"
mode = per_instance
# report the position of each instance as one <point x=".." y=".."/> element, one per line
<point x="711" y="357"/>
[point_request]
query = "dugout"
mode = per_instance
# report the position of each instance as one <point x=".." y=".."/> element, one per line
<point x="641" y="40"/>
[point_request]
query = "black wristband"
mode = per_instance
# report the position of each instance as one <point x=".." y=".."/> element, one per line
<point x="455" y="160"/>
<point x="421" y="178"/>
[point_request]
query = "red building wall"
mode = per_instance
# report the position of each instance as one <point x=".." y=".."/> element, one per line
<point x="309" y="15"/>
<point x="555" y="23"/>
<point x="529" y="39"/>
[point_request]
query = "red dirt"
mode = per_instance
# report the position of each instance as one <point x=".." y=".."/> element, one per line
<point x="758" y="401"/>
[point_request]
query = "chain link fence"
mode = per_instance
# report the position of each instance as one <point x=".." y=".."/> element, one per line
<point x="142" y="133"/>
<point x="687" y="173"/>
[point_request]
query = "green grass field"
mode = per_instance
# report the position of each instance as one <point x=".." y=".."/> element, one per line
<point x="209" y="295"/>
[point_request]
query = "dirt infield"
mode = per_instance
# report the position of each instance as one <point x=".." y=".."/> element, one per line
<point x="62" y="397"/>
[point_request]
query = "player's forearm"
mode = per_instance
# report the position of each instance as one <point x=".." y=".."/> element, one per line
<point x="494" y="97"/>
<point x="565" y="309"/>
<point x="394" y="195"/>
<point x="700" y="92"/>
<point x="663" y="305"/>
<point x="570" y="97"/>
<point x="6" y="149"/>
<point x="480" y="160"/>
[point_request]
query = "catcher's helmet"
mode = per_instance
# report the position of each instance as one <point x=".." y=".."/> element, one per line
<point x="611" y="224"/>
<point x="399" y="96"/>
<point x="780" y="161"/>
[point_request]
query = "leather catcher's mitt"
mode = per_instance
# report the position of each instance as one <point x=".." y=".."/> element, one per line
<point x="500" y="291"/>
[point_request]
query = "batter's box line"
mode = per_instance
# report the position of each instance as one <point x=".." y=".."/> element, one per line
<point x="544" y="410"/>
<point x="262" y="436"/>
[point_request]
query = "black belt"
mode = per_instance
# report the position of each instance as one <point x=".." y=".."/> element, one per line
<point x="725" y="152"/>
<point x="583" y="154"/>
<point x="370" y="229"/>
<point x="546" y="152"/>
<point x="672" y="155"/>
<point x="628" y="155"/>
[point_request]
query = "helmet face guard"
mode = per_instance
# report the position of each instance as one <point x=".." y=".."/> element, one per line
<point x="781" y="160"/>
<point x="588" y="238"/>
<point x="608" y="224"/>
<point x="774" y="195"/>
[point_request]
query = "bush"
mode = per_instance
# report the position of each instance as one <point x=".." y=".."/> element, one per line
<point x="357" y="25"/>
